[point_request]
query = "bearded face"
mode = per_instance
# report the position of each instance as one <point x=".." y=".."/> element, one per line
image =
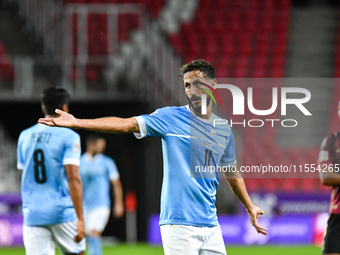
<point x="195" y="102"/>
<point x="193" y="81"/>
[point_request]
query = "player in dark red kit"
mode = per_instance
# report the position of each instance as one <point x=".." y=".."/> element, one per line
<point x="330" y="176"/>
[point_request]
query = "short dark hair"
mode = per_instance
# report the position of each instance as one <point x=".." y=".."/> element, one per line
<point x="92" y="138"/>
<point x="201" y="65"/>
<point x="54" y="98"/>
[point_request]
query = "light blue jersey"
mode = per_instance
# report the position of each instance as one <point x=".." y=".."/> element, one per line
<point x="188" y="142"/>
<point x="96" y="173"/>
<point x="42" y="153"/>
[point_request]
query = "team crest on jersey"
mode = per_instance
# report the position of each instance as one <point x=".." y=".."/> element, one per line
<point x="213" y="132"/>
<point x="323" y="156"/>
<point x="76" y="146"/>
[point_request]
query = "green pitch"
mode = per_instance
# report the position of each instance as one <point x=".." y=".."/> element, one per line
<point x="143" y="249"/>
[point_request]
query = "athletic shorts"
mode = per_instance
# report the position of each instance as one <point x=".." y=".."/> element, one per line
<point x="189" y="240"/>
<point x="96" y="219"/>
<point x="331" y="243"/>
<point x="42" y="240"/>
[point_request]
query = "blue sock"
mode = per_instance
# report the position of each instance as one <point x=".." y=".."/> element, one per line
<point x="94" y="245"/>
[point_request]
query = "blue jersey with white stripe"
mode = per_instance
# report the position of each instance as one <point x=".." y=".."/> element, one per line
<point x="96" y="173"/>
<point x="189" y="143"/>
<point x="42" y="153"/>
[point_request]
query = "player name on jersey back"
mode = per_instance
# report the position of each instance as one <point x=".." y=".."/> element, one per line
<point x="40" y="137"/>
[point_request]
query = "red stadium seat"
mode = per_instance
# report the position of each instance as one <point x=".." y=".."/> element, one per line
<point x="254" y="184"/>
<point x="97" y="29"/>
<point x="290" y="185"/>
<point x="2" y="49"/>
<point x="272" y="185"/>
<point x="74" y="75"/>
<point x="6" y="68"/>
<point x="92" y="73"/>
<point x="309" y="185"/>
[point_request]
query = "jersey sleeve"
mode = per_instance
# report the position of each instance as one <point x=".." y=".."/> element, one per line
<point x="112" y="169"/>
<point x="325" y="154"/>
<point x="72" y="150"/>
<point x="20" y="161"/>
<point x="156" y="124"/>
<point x="229" y="157"/>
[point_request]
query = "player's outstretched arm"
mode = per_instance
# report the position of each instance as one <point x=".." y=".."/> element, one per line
<point x="106" y="125"/>
<point x="76" y="193"/>
<point x="238" y="186"/>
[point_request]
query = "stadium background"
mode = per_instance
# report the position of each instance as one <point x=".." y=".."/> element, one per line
<point x="122" y="58"/>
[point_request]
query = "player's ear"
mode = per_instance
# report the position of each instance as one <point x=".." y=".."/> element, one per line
<point x="213" y="82"/>
<point x="64" y="108"/>
<point x="43" y="109"/>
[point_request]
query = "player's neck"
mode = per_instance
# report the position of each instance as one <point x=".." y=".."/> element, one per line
<point x="92" y="154"/>
<point x="51" y="116"/>
<point x="200" y="115"/>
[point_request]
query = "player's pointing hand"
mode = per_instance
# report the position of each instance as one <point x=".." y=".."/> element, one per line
<point x="61" y="119"/>
<point x="254" y="219"/>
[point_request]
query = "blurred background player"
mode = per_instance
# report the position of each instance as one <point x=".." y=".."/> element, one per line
<point x="97" y="171"/>
<point x="51" y="186"/>
<point x="330" y="155"/>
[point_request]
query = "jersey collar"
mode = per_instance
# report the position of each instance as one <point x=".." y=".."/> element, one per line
<point x="201" y="119"/>
<point x="89" y="158"/>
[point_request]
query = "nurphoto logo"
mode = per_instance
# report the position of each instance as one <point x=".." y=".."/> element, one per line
<point x="239" y="104"/>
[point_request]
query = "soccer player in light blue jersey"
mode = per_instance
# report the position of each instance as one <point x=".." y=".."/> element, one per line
<point x="51" y="187"/>
<point x="188" y="219"/>
<point x="97" y="171"/>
